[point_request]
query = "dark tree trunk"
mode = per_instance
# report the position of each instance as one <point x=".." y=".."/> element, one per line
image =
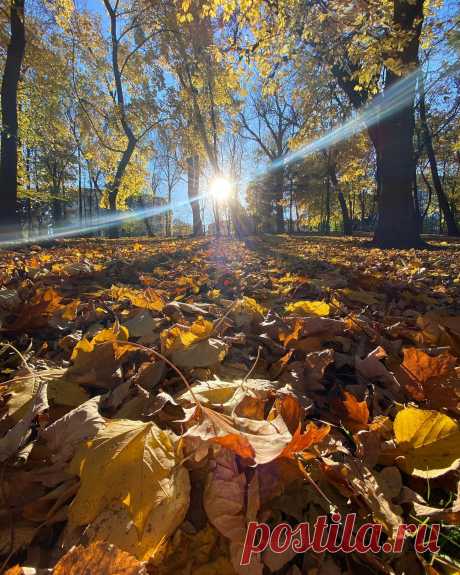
<point x="398" y="225"/>
<point x="193" y="182"/>
<point x="291" y="205"/>
<point x="115" y="229"/>
<point x="346" y="221"/>
<point x="114" y="187"/>
<point x="393" y="139"/>
<point x="80" y="195"/>
<point x="279" y="196"/>
<point x="169" y="215"/>
<point x="347" y="224"/>
<point x="452" y="227"/>
<point x="327" y="220"/>
<point x="9" y="217"/>
<point x="397" y="220"/>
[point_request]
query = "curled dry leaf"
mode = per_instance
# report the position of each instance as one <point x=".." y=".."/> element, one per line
<point x="225" y="396"/>
<point x="373" y="369"/>
<point x="258" y="440"/>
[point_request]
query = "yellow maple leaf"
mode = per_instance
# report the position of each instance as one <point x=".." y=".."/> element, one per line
<point x="181" y="337"/>
<point x="428" y="440"/>
<point x="128" y="462"/>
<point x="146" y="299"/>
<point x="305" y="307"/>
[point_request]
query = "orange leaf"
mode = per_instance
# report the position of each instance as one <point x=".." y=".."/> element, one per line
<point x="16" y="570"/>
<point x="294" y="335"/>
<point x="236" y="443"/>
<point x="423" y="366"/>
<point x="354" y="413"/>
<point x="289" y="408"/>
<point x="302" y="441"/>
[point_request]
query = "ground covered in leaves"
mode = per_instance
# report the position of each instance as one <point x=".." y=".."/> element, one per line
<point x="156" y="396"/>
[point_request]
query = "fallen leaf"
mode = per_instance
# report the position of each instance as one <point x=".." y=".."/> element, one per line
<point x="224" y="502"/>
<point x="428" y="442"/>
<point x="245" y="311"/>
<point x="302" y="441"/>
<point x="65" y="434"/>
<point x="365" y="297"/>
<point x="17" y="435"/>
<point x="96" y="360"/>
<point x="98" y="559"/>
<point x="145" y="299"/>
<point x="132" y="462"/>
<point x="354" y="414"/>
<point x="423" y="366"/>
<point x="320" y="308"/>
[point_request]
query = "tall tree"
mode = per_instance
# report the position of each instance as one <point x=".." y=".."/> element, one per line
<point x="368" y="47"/>
<point x="9" y="100"/>
<point x="271" y="121"/>
<point x="452" y="227"/>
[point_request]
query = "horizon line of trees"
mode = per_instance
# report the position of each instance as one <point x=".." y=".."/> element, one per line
<point x="113" y="109"/>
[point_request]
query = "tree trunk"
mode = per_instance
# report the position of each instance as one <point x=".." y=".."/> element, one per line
<point x="80" y="195"/>
<point x="397" y="220"/>
<point x="169" y="214"/>
<point x="193" y="188"/>
<point x="115" y="229"/>
<point x="114" y="188"/>
<point x="346" y="221"/>
<point x="347" y="224"/>
<point x="9" y="217"/>
<point x="278" y="197"/>
<point x="397" y="225"/>
<point x="291" y="205"/>
<point x="452" y="227"/>
<point x="393" y="138"/>
<point x="327" y="220"/>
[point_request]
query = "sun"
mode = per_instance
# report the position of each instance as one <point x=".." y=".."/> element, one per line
<point x="220" y="188"/>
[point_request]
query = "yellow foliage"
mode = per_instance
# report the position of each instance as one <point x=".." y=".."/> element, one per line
<point x="320" y="308"/>
<point x="129" y="462"/>
<point x="428" y="440"/>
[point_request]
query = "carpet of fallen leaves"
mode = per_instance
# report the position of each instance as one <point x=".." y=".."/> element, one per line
<point x="156" y="396"/>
